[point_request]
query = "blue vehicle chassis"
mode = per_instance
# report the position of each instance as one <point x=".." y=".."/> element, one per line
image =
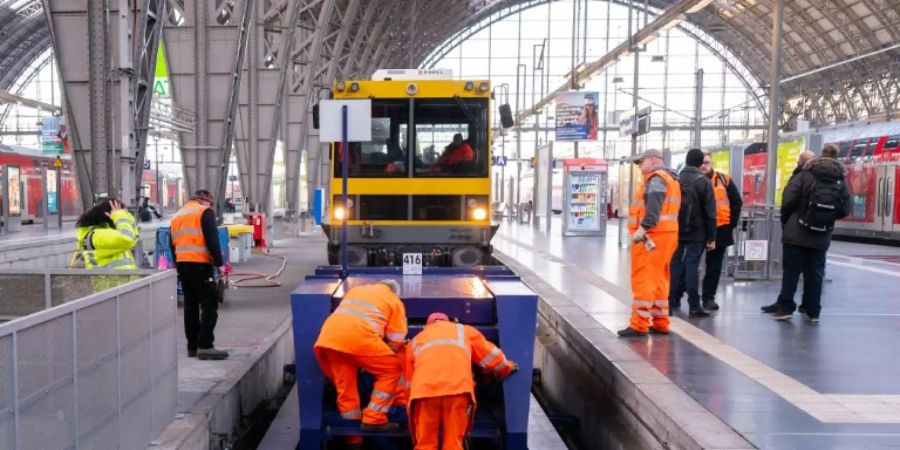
<point x="490" y="298"/>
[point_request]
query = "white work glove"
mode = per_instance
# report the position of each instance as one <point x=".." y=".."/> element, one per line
<point x="639" y="235"/>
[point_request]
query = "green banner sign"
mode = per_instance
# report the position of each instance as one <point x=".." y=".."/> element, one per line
<point x="161" y="87"/>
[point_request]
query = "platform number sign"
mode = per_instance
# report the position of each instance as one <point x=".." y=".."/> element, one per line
<point x="412" y="264"/>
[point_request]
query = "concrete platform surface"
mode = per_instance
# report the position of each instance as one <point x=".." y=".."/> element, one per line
<point x="791" y="384"/>
<point x="254" y="327"/>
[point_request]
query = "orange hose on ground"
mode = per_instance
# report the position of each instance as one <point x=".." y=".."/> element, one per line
<point x="267" y="280"/>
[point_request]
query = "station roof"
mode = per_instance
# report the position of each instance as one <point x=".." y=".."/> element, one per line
<point x="818" y="33"/>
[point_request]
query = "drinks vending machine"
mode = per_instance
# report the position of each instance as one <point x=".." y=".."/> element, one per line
<point x="584" y="205"/>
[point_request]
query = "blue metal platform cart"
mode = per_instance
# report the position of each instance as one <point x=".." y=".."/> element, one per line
<point x="491" y="298"/>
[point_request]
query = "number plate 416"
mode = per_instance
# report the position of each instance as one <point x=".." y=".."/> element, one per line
<point x="412" y="264"/>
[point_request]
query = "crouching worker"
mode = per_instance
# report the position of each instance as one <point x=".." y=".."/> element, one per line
<point x="365" y="332"/>
<point x="442" y="393"/>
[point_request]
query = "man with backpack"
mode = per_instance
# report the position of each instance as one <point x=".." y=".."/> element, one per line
<point x="811" y="203"/>
<point x="696" y="233"/>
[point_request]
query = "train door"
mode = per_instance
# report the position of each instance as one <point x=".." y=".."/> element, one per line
<point x="886" y="199"/>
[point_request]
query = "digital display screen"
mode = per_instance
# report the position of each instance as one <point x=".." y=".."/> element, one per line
<point x="52" y="195"/>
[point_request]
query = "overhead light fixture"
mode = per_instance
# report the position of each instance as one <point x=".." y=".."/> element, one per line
<point x="658" y="58"/>
<point x="699" y="6"/>
<point x="617" y="80"/>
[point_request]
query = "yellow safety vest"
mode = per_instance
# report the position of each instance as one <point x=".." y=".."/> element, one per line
<point x="109" y="248"/>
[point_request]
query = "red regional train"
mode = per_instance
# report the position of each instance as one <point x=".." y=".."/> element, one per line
<point x="31" y="194"/>
<point x="871" y="156"/>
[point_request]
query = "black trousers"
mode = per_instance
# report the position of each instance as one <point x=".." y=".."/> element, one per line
<point x="810" y="263"/>
<point x="714" y="260"/>
<point x="200" y="304"/>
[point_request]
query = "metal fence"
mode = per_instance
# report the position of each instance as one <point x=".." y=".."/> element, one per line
<point x="757" y="253"/>
<point x="98" y="370"/>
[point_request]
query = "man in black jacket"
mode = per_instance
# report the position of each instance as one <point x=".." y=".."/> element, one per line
<point x="728" y="212"/>
<point x="696" y="233"/>
<point x="805" y="248"/>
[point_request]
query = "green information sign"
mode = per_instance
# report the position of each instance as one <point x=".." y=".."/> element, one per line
<point x="161" y="87"/>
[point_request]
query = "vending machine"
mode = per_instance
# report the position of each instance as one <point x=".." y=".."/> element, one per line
<point x="584" y="205"/>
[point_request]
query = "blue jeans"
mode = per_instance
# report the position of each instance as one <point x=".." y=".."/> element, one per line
<point x="810" y="263"/>
<point x="685" y="271"/>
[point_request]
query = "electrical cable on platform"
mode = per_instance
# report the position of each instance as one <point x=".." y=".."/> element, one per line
<point x="266" y="280"/>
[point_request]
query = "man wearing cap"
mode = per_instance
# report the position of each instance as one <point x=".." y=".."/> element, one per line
<point x="195" y="247"/>
<point x="653" y="224"/>
<point x="442" y="393"/>
<point x="366" y="332"/>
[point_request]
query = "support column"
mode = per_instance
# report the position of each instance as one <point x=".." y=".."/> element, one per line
<point x="698" y="108"/>
<point x="774" y="100"/>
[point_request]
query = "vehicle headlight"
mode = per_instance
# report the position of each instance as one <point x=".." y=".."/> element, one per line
<point x="339" y="212"/>
<point x="479" y="214"/>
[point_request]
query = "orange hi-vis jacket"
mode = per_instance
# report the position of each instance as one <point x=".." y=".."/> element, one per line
<point x="187" y="234"/>
<point x="668" y="216"/>
<point x="439" y="360"/>
<point x="369" y="321"/>
<point x="723" y="207"/>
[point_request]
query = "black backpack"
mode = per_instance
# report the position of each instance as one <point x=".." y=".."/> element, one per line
<point x="822" y="206"/>
<point x="689" y="200"/>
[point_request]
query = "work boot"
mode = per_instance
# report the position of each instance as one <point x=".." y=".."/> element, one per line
<point x="192" y="353"/>
<point x="814" y="318"/>
<point x="770" y="309"/>
<point x="389" y="427"/>
<point x="783" y="314"/>
<point x="631" y="332"/>
<point x="696" y="313"/>
<point x="710" y="305"/>
<point x="658" y="331"/>
<point x="211" y="353"/>
<point x="801" y="309"/>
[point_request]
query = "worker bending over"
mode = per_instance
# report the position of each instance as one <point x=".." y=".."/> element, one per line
<point x="365" y="332"/>
<point x="653" y="224"/>
<point x="442" y="393"/>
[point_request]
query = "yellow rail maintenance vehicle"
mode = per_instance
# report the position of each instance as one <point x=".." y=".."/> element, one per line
<point x="423" y="183"/>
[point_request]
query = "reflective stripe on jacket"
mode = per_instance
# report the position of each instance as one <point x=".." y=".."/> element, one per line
<point x="187" y="234"/>
<point x="109" y="248"/>
<point x="439" y="360"/>
<point x="370" y="321"/>
<point x="668" y="216"/>
<point x="723" y="207"/>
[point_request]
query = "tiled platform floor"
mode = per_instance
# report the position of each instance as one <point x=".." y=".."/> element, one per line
<point x="781" y="384"/>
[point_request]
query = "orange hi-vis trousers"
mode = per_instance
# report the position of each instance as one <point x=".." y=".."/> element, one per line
<point x="342" y="369"/>
<point x="650" y="282"/>
<point x="449" y="414"/>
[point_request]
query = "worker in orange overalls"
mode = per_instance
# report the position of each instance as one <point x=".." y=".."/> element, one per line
<point x="653" y="224"/>
<point x="365" y="332"/>
<point x="459" y="151"/>
<point x="442" y="393"/>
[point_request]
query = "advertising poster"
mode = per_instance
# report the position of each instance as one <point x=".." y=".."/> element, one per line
<point x="788" y="153"/>
<point x="52" y="195"/>
<point x="721" y="161"/>
<point x="576" y="116"/>
<point x="15" y="192"/>
<point x="54" y="136"/>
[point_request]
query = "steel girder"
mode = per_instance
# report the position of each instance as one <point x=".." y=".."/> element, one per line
<point x="205" y="54"/>
<point x="101" y="98"/>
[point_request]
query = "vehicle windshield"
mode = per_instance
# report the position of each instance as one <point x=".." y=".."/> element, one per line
<point x="451" y="137"/>
<point x="386" y="154"/>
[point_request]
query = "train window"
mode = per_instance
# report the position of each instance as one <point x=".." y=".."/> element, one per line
<point x="386" y="154"/>
<point x="437" y="207"/>
<point x="893" y="142"/>
<point x="383" y="207"/>
<point x="859" y="149"/>
<point x="844" y="149"/>
<point x="451" y="137"/>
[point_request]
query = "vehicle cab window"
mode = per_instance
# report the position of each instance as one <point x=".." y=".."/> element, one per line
<point x="450" y="137"/>
<point x="386" y="154"/>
